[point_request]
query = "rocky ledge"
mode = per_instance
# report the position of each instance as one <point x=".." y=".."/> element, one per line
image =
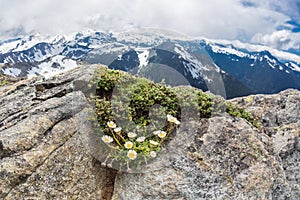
<point x="43" y="155"/>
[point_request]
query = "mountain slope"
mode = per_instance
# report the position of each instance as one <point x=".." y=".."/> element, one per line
<point x="226" y="68"/>
<point x="260" y="71"/>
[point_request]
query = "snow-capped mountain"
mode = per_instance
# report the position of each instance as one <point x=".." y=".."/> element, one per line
<point x="228" y="68"/>
<point x="47" y="68"/>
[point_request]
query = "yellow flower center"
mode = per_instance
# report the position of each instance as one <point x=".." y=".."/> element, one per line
<point x="172" y="119"/>
<point x="111" y="124"/>
<point x="162" y="134"/>
<point x="131" y="154"/>
<point x="128" y="145"/>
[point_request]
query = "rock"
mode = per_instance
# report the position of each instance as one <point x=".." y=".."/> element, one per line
<point x="43" y="154"/>
<point x="280" y="114"/>
<point x="229" y="158"/>
<point x="5" y="79"/>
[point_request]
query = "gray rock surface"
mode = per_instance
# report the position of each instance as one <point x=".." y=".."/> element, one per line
<point x="280" y="117"/>
<point x="228" y="158"/>
<point x="41" y="153"/>
<point x="43" y="156"/>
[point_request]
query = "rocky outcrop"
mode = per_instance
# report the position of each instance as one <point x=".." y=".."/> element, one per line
<point x="43" y="154"/>
<point x="280" y="117"/>
<point x="226" y="159"/>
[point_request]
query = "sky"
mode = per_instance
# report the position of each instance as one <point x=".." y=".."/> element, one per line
<point x="275" y="23"/>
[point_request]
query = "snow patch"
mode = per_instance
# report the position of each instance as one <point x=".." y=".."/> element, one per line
<point x="294" y="67"/>
<point x="8" y="46"/>
<point x="109" y="48"/>
<point x="28" y="42"/>
<point x="256" y="48"/>
<point x="228" y="51"/>
<point x="271" y="62"/>
<point x="194" y="66"/>
<point x="143" y="57"/>
<point x="11" y="71"/>
<point x="56" y="65"/>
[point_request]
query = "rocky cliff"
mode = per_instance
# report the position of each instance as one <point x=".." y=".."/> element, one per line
<point x="44" y="155"/>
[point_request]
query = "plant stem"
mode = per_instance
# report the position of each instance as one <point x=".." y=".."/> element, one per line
<point x="112" y="132"/>
<point x="119" y="134"/>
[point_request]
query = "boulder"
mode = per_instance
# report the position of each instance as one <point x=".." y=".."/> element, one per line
<point x="43" y="154"/>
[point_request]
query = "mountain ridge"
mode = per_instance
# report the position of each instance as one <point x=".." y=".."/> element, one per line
<point x="246" y="69"/>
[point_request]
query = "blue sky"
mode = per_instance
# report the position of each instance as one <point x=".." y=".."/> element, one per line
<point x="275" y="23"/>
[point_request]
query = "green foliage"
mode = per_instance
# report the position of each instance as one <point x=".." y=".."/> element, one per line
<point x="141" y="94"/>
<point x="131" y="100"/>
<point x="205" y="105"/>
<point x="235" y="111"/>
<point x="103" y="111"/>
<point x="137" y="101"/>
<point x="105" y="80"/>
<point x="148" y="94"/>
<point x="209" y="106"/>
<point x="3" y="80"/>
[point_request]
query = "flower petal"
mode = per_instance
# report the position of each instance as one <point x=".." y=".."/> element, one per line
<point x="131" y="154"/>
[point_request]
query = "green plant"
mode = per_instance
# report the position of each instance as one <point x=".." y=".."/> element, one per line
<point x="120" y="97"/>
<point x="147" y="94"/>
<point x="105" y="80"/>
<point x="205" y="105"/>
<point x="235" y="111"/>
<point x="136" y="116"/>
<point x="3" y="80"/>
<point x="209" y="105"/>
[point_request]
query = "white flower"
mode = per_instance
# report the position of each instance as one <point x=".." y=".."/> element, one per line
<point x="117" y="130"/>
<point x="162" y="134"/>
<point x="111" y="124"/>
<point x="128" y="145"/>
<point x="156" y="132"/>
<point x="107" y="139"/>
<point x="172" y="119"/>
<point x="152" y="154"/>
<point x="140" y="139"/>
<point x="153" y="143"/>
<point x="131" y="154"/>
<point x="131" y="135"/>
<point x="177" y="122"/>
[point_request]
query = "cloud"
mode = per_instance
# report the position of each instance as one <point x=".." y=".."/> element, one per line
<point x="283" y="39"/>
<point x="287" y="7"/>
<point x="226" y="19"/>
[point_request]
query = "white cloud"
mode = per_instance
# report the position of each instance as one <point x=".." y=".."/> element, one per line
<point x="283" y="39"/>
<point x="288" y="7"/>
<point x="226" y="19"/>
